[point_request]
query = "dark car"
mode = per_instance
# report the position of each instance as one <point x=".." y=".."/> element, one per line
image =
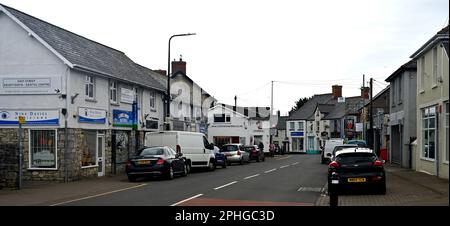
<point x="221" y="159"/>
<point x="356" y="168"/>
<point x="255" y="153"/>
<point x="156" y="161"/>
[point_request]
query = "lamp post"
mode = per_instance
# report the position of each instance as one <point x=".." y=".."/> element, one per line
<point x="168" y="78"/>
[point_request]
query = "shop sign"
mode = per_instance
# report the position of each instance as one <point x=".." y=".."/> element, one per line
<point x="297" y="134"/>
<point x="30" y="85"/>
<point x="31" y="117"/>
<point x="122" y="118"/>
<point x="90" y="115"/>
<point x="126" y="95"/>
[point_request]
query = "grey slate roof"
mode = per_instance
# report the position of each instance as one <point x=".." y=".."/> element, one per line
<point x="409" y="66"/>
<point x="351" y="106"/>
<point x="305" y="112"/>
<point x="85" y="54"/>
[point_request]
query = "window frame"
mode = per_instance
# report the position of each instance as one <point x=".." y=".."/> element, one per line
<point x="427" y="130"/>
<point x="30" y="150"/>
<point x="152" y="99"/>
<point x="89" y="81"/>
<point x="97" y="133"/>
<point x="291" y="126"/>
<point x="302" y="127"/>
<point x="113" y="86"/>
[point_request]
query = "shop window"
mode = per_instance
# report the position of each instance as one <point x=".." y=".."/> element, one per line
<point x="429" y="132"/>
<point x="43" y="149"/>
<point x="89" y="149"/>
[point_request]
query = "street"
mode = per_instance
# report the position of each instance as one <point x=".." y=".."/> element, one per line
<point x="287" y="180"/>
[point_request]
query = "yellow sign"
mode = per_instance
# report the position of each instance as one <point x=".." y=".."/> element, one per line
<point x="21" y="120"/>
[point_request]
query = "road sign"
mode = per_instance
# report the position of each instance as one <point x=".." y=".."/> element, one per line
<point x="21" y="120"/>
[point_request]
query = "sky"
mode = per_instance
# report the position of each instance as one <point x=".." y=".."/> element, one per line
<point x="240" y="46"/>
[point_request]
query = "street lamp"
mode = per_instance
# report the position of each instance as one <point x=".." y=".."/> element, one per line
<point x="168" y="77"/>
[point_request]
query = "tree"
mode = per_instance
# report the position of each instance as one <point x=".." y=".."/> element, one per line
<point x="299" y="104"/>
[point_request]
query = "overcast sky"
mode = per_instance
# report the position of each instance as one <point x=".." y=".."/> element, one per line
<point x="242" y="45"/>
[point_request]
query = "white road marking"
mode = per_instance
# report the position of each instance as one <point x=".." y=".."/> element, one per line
<point x="295" y="163"/>
<point x="268" y="171"/>
<point x="225" y="185"/>
<point x="310" y="189"/>
<point x="251" y="176"/>
<point x="93" y="196"/>
<point x="284" y="166"/>
<point x="185" y="200"/>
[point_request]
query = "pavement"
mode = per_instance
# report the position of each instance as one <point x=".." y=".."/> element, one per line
<point x="404" y="187"/>
<point x="280" y="187"/>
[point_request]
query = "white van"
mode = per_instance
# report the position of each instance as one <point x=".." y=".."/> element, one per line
<point x="327" y="151"/>
<point x="194" y="146"/>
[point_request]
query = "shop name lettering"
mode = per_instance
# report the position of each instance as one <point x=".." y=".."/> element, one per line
<point x="27" y="83"/>
<point x="31" y="115"/>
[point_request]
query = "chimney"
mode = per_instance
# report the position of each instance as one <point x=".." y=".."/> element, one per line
<point x="178" y="66"/>
<point x="161" y="72"/>
<point x="365" y="92"/>
<point x="337" y="91"/>
<point x="278" y="113"/>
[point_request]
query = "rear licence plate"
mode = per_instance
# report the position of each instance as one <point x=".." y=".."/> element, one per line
<point x="144" y="162"/>
<point x="356" y="180"/>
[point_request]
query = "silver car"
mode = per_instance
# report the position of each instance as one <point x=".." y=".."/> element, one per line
<point x="235" y="153"/>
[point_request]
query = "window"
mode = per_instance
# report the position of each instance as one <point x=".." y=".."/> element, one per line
<point x="113" y="92"/>
<point x="152" y="99"/>
<point x="89" y="87"/>
<point x="429" y="132"/>
<point x="422" y="73"/>
<point x="43" y="152"/>
<point x="393" y="93"/>
<point x="222" y="118"/>
<point x="435" y="67"/>
<point x="446" y="132"/>
<point x="291" y="126"/>
<point x="89" y="149"/>
<point x="301" y="126"/>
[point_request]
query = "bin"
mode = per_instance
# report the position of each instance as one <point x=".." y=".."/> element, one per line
<point x="384" y="154"/>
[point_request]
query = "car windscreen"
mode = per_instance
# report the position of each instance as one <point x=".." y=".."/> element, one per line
<point x="353" y="158"/>
<point x="152" y="151"/>
<point x="228" y="148"/>
<point x="359" y="143"/>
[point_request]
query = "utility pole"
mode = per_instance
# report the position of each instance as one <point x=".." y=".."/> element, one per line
<point x="371" y="134"/>
<point x="271" y="113"/>
<point x="363" y="103"/>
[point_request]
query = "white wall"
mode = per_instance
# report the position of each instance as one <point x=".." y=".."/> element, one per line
<point x="239" y="125"/>
<point x="23" y="55"/>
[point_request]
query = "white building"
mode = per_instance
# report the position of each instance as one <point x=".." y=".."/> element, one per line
<point x="66" y="84"/>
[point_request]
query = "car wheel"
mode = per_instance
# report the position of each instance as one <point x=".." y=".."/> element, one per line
<point x="170" y="173"/>
<point x="212" y="165"/>
<point x="263" y="158"/>
<point x="185" y="171"/>
<point x="258" y="159"/>
<point x="242" y="161"/>
<point x="131" y="178"/>
<point x="224" y="165"/>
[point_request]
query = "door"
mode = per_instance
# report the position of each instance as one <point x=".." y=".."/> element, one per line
<point x="101" y="154"/>
<point x="310" y="143"/>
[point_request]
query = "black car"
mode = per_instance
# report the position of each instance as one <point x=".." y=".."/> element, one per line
<point x="356" y="168"/>
<point x="255" y="153"/>
<point x="156" y="161"/>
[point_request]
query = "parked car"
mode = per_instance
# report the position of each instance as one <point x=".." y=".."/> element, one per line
<point x="221" y="159"/>
<point x="360" y="143"/>
<point x="328" y="149"/>
<point x="156" y="161"/>
<point x="356" y="167"/>
<point x="235" y="153"/>
<point x="341" y="147"/>
<point x="194" y="146"/>
<point x="255" y="153"/>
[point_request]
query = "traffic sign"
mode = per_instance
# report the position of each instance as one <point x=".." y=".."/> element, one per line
<point x="21" y="120"/>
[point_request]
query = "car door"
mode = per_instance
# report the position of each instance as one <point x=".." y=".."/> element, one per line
<point x="176" y="161"/>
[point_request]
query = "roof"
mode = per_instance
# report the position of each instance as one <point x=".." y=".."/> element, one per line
<point x="350" y="106"/>
<point x="325" y="108"/>
<point x="409" y="66"/>
<point x="310" y="106"/>
<point x="182" y="74"/>
<point x="281" y="124"/>
<point x="84" y="54"/>
<point x="441" y="35"/>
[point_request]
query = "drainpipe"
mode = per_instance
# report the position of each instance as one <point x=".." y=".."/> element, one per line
<point x="66" y="135"/>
